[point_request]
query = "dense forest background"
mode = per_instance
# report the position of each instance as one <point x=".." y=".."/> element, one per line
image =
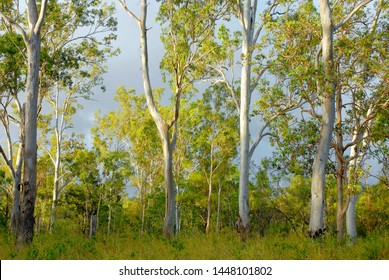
<point x="306" y="82"/>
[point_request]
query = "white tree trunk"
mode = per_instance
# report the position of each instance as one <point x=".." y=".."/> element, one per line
<point x="316" y="224"/>
<point x="163" y="128"/>
<point x="247" y="21"/>
<point x="351" y="225"/>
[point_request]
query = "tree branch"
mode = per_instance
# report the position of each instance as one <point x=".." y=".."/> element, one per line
<point x="12" y="22"/>
<point x="356" y="9"/>
<point x="42" y="13"/>
<point x="131" y="14"/>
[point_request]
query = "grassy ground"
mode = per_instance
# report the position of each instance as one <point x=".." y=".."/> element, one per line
<point x="67" y="245"/>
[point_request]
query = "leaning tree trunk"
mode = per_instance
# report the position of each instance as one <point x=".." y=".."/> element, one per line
<point x="29" y="188"/>
<point x="163" y="128"/>
<point x="316" y="224"/>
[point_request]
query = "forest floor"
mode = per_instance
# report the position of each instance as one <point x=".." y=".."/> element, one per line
<point x="195" y="246"/>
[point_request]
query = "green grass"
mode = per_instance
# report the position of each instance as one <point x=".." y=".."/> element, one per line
<point x="67" y="245"/>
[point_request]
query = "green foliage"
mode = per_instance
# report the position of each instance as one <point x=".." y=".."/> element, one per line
<point x="12" y="63"/>
<point x="5" y="199"/>
<point x="372" y="209"/>
<point x="70" y="43"/>
<point x="292" y="205"/>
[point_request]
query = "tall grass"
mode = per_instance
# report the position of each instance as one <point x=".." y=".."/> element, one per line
<point x="67" y="244"/>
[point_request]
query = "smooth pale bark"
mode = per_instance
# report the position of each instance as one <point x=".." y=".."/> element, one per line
<point x="357" y="154"/>
<point x="247" y="18"/>
<point x="316" y="223"/>
<point x="57" y="166"/>
<point x="60" y="126"/>
<point x="356" y="158"/>
<point x="351" y="225"/>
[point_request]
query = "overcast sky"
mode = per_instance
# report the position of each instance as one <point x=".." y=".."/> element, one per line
<point x="125" y="69"/>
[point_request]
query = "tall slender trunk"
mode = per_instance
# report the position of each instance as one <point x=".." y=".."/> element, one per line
<point x="208" y="223"/>
<point x="162" y="126"/>
<point x="357" y="154"/>
<point x="247" y="21"/>
<point x="341" y="167"/>
<point x="178" y="217"/>
<point x="339" y="202"/>
<point x="218" y="208"/>
<point x="316" y="224"/>
<point x="109" y="212"/>
<point x="142" y="201"/>
<point x="57" y="161"/>
<point x="29" y="189"/>
<point x="55" y="190"/>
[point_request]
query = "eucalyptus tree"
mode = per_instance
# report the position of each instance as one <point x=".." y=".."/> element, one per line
<point x="254" y="63"/>
<point x="12" y="66"/>
<point x="32" y="39"/>
<point x="361" y="47"/>
<point x="74" y="62"/>
<point x="82" y="194"/>
<point x="210" y="132"/>
<point x="307" y="62"/>
<point x="188" y="29"/>
<point x="327" y="92"/>
<point x="127" y="131"/>
<point x="370" y="97"/>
